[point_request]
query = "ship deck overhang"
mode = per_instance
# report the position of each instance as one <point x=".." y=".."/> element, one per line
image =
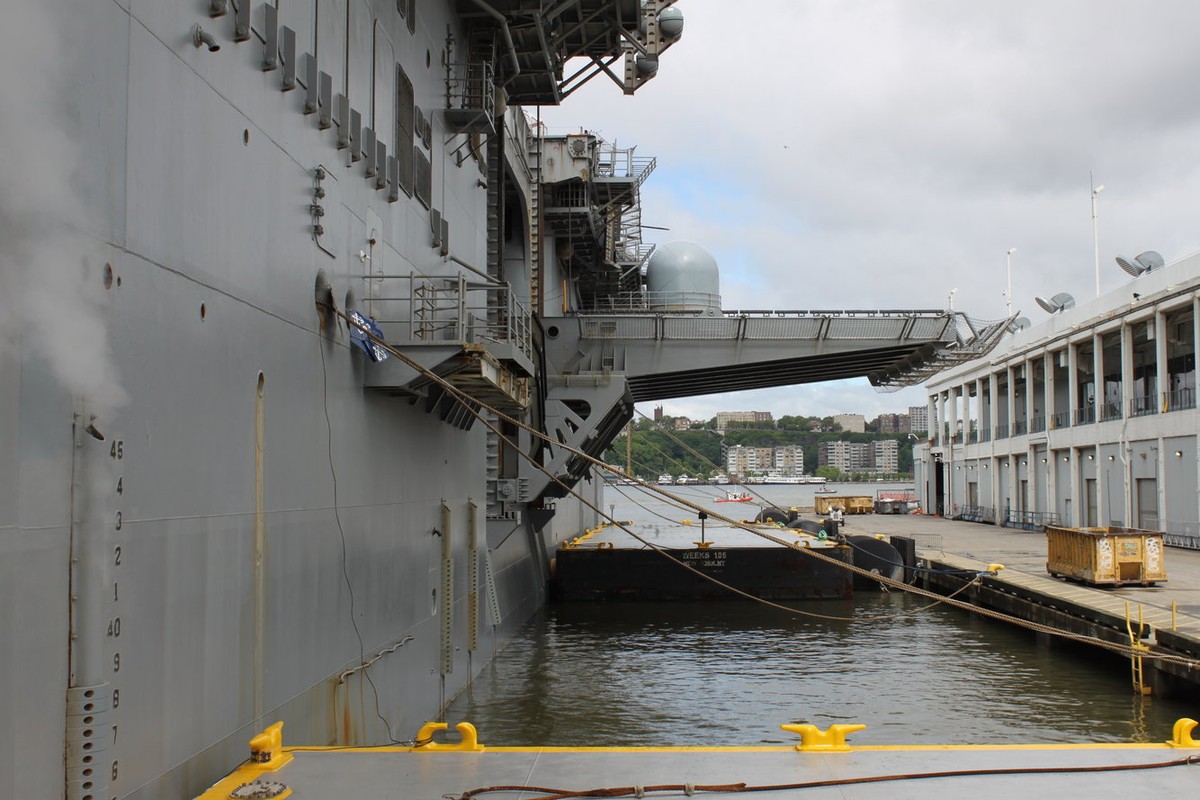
<point x="682" y="354"/>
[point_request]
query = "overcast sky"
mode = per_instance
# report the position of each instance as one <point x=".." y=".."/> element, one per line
<point x="853" y="154"/>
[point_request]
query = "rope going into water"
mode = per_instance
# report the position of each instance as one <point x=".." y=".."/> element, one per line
<point x="473" y="405"/>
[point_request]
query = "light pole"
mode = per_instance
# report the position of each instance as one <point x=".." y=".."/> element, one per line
<point x="1096" y="190"/>
<point x="1011" y="250"/>
<point x="950" y="299"/>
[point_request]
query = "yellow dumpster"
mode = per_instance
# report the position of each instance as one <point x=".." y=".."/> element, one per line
<point x="1106" y="556"/>
<point x="851" y="504"/>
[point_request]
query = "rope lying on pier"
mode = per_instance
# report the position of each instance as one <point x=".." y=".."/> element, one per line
<point x="730" y="788"/>
<point x="473" y="405"/>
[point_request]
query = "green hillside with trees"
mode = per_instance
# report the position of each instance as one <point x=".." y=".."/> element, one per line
<point x="656" y="451"/>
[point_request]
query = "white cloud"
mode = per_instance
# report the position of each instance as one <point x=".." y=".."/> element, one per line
<point x="856" y="154"/>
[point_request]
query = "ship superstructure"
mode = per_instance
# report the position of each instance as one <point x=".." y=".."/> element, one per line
<point x="221" y="504"/>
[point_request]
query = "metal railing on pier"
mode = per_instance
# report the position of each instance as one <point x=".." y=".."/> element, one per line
<point x="1182" y="534"/>
<point x="1030" y="520"/>
<point x="984" y="514"/>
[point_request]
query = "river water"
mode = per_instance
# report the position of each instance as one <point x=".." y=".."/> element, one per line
<point x="731" y="673"/>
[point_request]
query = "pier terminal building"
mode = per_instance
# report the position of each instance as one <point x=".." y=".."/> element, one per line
<point x="1086" y="418"/>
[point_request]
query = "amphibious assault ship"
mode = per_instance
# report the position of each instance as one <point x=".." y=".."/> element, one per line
<point x="222" y="503"/>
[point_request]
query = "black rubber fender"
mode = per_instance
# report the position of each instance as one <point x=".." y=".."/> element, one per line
<point x="877" y="556"/>
<point x="807" y="525"/>
<point x="772" y="514"/>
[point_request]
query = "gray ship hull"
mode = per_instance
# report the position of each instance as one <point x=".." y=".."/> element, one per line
<point x="216" y="510"/>
<point x="198" y="572"/>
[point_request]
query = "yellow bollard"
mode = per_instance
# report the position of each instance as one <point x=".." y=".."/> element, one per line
<point x="832" y="740"/>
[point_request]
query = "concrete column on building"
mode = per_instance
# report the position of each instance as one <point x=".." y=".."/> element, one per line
<point x="1029" y="407"/>
<point x="963" y="400"/>
<point x="1196" y="349"/>
<point x="978" y="410"/>
<point x="1126" y="370"/>
<point x="994" y="412"/>
<point x="1162" y="373"/>
<point x="947" y="418"/>
<point x="1048" y="369"/>
<point x="1014" y="479"/>
<point x="1078" y="500"/>
<point x="1012" y="399"/>
<point x="949" y="415"/>
<point x="935" y="421"/>
<point x="1101" y="481"/>
<point x="1072" y="384"/>
<point x="1126" y="408"/>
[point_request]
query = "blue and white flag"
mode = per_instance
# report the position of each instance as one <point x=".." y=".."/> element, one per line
<point x="359" y="337"/>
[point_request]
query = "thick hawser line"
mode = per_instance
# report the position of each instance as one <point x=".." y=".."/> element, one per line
<point x="215" y="511"/>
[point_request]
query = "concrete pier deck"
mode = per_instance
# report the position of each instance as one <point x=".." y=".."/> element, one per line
<point x="1170" y="610"/>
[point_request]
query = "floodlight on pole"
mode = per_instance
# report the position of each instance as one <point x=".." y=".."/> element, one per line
<point x="1011" y="250"/>
<point x="1096" y="190"/>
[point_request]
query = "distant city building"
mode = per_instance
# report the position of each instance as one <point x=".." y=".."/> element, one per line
<point x="881" y="457"/>
<point x="885" y="456"/>
<point x="851" y="423"/>
<point x="658" y="413"/>
<point x="742" y="460"/>
<point x="892" y="423"/>
<point x="789" y="460"/>
<point x="682" y="423"/>
<point x="726" y="417"/>
<point x="918" y="419"/>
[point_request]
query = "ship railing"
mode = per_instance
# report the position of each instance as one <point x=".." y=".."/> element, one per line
<point x="1002" y="431"/>
<point x="1085" y="415"/>
<point x="470" y="97"/>
<point x="446" y="309"/>
<point x="1037" y="424"/>
<point x="1019" y="428"/>
<point x="1060" y="419"/>
<point x="618" y="162"/>
<point x="1110" y="410"/>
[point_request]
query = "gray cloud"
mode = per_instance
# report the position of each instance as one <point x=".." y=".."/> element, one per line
<point x="878" y="154"/>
